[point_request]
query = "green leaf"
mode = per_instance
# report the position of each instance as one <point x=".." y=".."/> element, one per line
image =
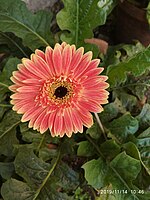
<point x="39" y="175"/>
<point x="130" y="50"/>
<point x="110" y="149"/>
<point x="143" y="143"/>
<point x="3" y="109"/>
<point x="94" y="131"/>
<point x="128" y="101"/>
<point x="144" y="117"/>
<point x="85" y="149"/>
<point x="33" y="29"/>
<point x="8" y="133"/>
<point x="66" y="177"/>
<point x="118" y="53"/>
<point x="119" y="173"/>
<point x="136" y="65"/>
<point x="6" y="169"/>
<point x="46" y="154"/>
<point x="44" y="145"/>
<point x="132" y="150"/>
<point x="16" y="190"/>
<point x="78" y="19"/>
<point x="127" y="167"/>
<point x="110" y="112"/>
<point x="30" y="167"/>
<point x="96" y="172"/>
<point x="10" y="66"/>
<point x="123" y="126"/>
<point x="124" y="170"/>
<point x="14" y="45"/>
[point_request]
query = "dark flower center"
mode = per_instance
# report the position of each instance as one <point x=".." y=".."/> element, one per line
<point x="60" y="92"/>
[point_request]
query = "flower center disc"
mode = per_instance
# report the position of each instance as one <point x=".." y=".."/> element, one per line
<point x="60" y="92"/>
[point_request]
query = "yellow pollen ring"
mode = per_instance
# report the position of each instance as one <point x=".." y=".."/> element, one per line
<point x="51" y="88"/>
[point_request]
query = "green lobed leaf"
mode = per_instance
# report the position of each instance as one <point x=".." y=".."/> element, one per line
<point x="123" y="126"/>
<point x="118" y="53"/>
<point x="128" y="101"/>
<point x="136" y="65"/>
<point x="40" y="143"/>
<point x="96" y="172"/>
<point x="16" y="190"/>
<point x="30" y="167"/>
<point x="13" y="44"/>
<point x="110" y="112"/>
<point x="119" y="173"/>
<point x="6" y="169"/>
<point x="143" y="143"/>
<point x="3" y="109"/>
<point x="66" y="177"/>
<point x="110" y="149"/>
<point x="8" y="133"/>
<point x="33" y="29"/>
<point x="45" y="179"/>
<point x="10" y="66"/>
<point x="78" y="19"/>
<point x="127" y="167"/>
<point x="132" y="150"/>
<point x="144" y="117"/>
<point x="124" y="170"/>
<point x="46" y="154"/>
<point x="94" y="131"/>
<point x="86" y="149"/>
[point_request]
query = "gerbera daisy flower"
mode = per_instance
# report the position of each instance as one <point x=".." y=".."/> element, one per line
<point x="58" y="90"/>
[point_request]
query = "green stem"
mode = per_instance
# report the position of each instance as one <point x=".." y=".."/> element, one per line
<point x="100" y="125"/>
<point x="41" y="142"/>
<point x="4" y="85"/>
<point x="95" y="146"/>
<point x="47" y="177"/>
<point x="5" y="105"/>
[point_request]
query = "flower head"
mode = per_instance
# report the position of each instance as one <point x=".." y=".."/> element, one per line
<point x="58" y="89"/>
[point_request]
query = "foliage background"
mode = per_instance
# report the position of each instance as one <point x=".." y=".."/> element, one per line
<point x="110" y="160"/>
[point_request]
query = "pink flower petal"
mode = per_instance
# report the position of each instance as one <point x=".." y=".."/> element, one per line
<point x="58" y="124"/>
<point x="76" y="58"/>
<point x="67" y="120"/>
<point x="57" y="60"/>
<point x="49" y="60"/>
<point x="78" y="126"/>
<point x="42" y="66"/>
<point x="29" y="64"/>
<point x="44" y="124"/>
<point x="66" y="59"/>
<point x="37" y="122"/>
<point x="40" y="54"/>
<point x="28" y="89"/>
<point x="31" y="113"/>
<point x="81" y="67"/>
